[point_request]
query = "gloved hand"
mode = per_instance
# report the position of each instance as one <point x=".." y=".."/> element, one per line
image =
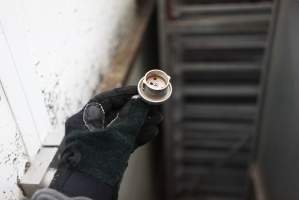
<point x="103" y="108"/>
<point x="100" y="138"/>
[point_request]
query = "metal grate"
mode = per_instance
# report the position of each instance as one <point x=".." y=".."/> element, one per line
<point x="199" y="8"/>
<point x="215" y="62"/>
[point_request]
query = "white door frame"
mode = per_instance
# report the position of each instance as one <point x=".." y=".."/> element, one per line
<point x="19" y="80"/>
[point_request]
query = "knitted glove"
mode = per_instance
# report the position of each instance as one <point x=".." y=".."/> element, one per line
<point x="100" y="138"/>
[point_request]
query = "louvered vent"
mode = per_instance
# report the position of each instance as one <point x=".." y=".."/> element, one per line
<point x="199" y="8"/>
<point x="211" y="120"/>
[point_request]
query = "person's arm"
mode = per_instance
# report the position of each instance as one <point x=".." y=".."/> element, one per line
<point x="99" y="141"/>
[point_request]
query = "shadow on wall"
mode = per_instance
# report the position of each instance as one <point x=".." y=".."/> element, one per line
<point x="139" y="181"/>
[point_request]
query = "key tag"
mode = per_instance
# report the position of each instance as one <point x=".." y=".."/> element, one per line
<point x="155" y="87"/>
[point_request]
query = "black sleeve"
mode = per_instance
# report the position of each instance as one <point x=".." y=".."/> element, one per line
<point x="74" y="183"/>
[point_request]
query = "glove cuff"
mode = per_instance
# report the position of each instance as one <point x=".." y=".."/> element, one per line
<point x="73" y="183"/>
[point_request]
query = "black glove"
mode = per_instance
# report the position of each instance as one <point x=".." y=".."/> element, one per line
<point x="103" y="108"/>
<point x="100" y="138"/>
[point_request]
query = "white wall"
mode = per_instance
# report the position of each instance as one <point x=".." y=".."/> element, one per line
<point x="71" y="42"/>
<point x="68" y="44"/>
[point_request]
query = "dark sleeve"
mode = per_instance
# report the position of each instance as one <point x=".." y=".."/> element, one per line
<point x="51" y="194"/>
<point x="73" y="184"/>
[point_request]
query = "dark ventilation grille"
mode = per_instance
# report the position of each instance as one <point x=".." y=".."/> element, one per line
<point x="219" y="82"/>
<point x="215" y="63"/>
<point x="198" y="8"/>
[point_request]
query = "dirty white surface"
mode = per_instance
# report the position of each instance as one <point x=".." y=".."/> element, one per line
<point x="70" y="44"/>
<point x="12" y="156"/>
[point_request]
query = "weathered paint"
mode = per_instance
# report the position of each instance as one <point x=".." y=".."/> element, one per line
<point x="12" y="157"/>
<point x="71" y="47"/>
<point x="70" y="44"/>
